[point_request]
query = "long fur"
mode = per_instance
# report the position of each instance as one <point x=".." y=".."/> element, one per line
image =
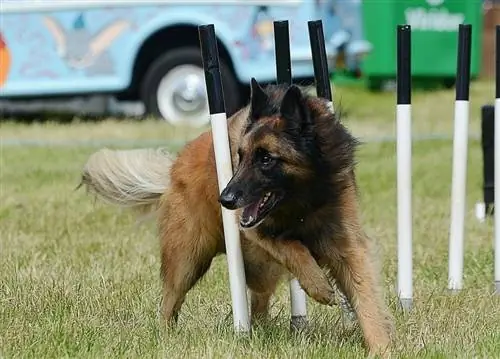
<point x="314" y="233"/>
<point x="128" y="178"/>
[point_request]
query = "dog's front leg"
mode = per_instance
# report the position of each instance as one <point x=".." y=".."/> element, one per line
<point x="297" y="258"/>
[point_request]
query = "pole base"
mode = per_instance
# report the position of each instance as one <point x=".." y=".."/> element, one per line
<point x="454" y="290"/>
<point x="406" y="304"/>
<point x="348" y="314"/>
<point x="298" y="323"/>
<point x="497" y="287"/>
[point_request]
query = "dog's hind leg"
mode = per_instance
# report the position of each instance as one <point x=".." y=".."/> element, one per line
<point x="179" y="276"/>
<point x="186" y="255"/>
<point x="259" y="306"/>
<point x="182" y="266"/>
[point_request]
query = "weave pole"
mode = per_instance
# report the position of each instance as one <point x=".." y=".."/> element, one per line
<point x="488" y="149"/>
<point x="459" y="173"/>
<point x="496" y="156"/>
<point x="320" y="61"/>
<point x="324" y="90"/>
<point x="404" y="167"/>
<point x="218" y="120"/>
<point x="298" y="303"/>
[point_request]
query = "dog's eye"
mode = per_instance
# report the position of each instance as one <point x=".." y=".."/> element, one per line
<point x="265" y="158"/>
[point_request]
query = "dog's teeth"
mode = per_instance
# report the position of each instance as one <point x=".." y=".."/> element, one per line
<point x="264" y="199"/>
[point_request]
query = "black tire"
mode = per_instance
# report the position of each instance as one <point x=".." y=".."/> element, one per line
<point x="182" y="56"/>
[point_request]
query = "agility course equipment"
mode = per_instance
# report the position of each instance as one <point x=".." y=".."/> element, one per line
<point x="298" y="302"/>
<point x="320" y="61"/>
<point x="497" y="159"/>
<point x="324" y="90"/>
<point x="218" y="120"/>
<point x="404" y="159"/>
<point x="459" y="171"/>
<point x="486" y="207"/>
<point x="404" y="166"/>
<point x="459" y="174"/>
<point x="490" y="143"/>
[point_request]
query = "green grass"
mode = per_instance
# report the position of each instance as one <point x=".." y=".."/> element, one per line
<point x="81" y="279"/>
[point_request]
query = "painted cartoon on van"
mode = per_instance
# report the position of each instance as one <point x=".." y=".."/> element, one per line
<point x="81" y="49"/>
<point x="149" y="51"/>
<point x="4" y="61"/>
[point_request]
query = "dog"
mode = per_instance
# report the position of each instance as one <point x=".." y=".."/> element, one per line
<point x="295" y="194"/>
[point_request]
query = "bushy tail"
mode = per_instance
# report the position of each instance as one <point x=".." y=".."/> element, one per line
<point x="128" y="178"/>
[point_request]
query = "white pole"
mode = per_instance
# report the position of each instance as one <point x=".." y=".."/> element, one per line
<point x="234" y="255"/>
<point x="496" y="156"/>
<point x="459" y="173"/>
<point x="298" y="305"/>
<point x="458" y="195"/>
<point x="324" y="90"/>
<point x="222" y="151"/>
<point x="404" y="186"/>
<point x="497" y="195"/>
<point x="404" y="168"/>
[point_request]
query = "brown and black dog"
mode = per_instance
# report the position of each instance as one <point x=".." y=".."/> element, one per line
<point x="295" y="193"/>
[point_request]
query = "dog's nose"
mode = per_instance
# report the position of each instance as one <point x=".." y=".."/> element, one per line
<point x="228" y="199"/>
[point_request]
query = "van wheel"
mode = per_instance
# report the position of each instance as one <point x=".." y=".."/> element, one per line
<point x="174" y="90"/>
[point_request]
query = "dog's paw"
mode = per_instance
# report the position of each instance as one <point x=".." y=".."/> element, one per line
<point x="322" y="292"/>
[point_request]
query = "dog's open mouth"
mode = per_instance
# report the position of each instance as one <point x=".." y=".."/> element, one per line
<point x="254" y="213"/>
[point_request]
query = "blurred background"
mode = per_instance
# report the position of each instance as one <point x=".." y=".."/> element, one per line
<point x="141" y="59"/>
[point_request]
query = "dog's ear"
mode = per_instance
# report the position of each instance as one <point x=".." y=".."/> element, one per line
<point x="294" y="109"/>
<point x="259" y="99"/>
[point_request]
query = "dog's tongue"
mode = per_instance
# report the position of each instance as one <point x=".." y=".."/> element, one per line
<point x="250" y="213"/>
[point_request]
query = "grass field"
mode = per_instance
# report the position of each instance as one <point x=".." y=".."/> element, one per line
<point x="80" y="279"/>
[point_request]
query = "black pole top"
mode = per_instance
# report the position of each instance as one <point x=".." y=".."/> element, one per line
<point x="463" y="63"/>
<point x="320" y="61"/>
<point x="403" y="75"/>
<point x="497" y="62"/>
<point x="282" y="52"/>
<point x="210" y="60"/>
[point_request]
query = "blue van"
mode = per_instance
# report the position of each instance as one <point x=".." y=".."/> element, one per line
<point x="148" y="51"/>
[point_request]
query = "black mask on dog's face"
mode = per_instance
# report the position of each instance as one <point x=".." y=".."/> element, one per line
<point x="269" y="164"/>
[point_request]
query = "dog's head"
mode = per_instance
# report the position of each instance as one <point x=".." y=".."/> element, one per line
<point x="277" y="154"/>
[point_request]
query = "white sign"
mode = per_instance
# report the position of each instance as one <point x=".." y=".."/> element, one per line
<point x="435" y="2"/>
<point x="433" y="19"/>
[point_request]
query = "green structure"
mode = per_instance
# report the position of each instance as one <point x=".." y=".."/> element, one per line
<point x="434" y="37"/>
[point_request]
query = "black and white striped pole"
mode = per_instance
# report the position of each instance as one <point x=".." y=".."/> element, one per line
<point x="298" y="302"/>
<point x="496" y="156"/>
<point x="404" y="167"/>
<point x="218" y="120"/>
<point x="459" y="173"/>
<point x="324" y="90"/>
